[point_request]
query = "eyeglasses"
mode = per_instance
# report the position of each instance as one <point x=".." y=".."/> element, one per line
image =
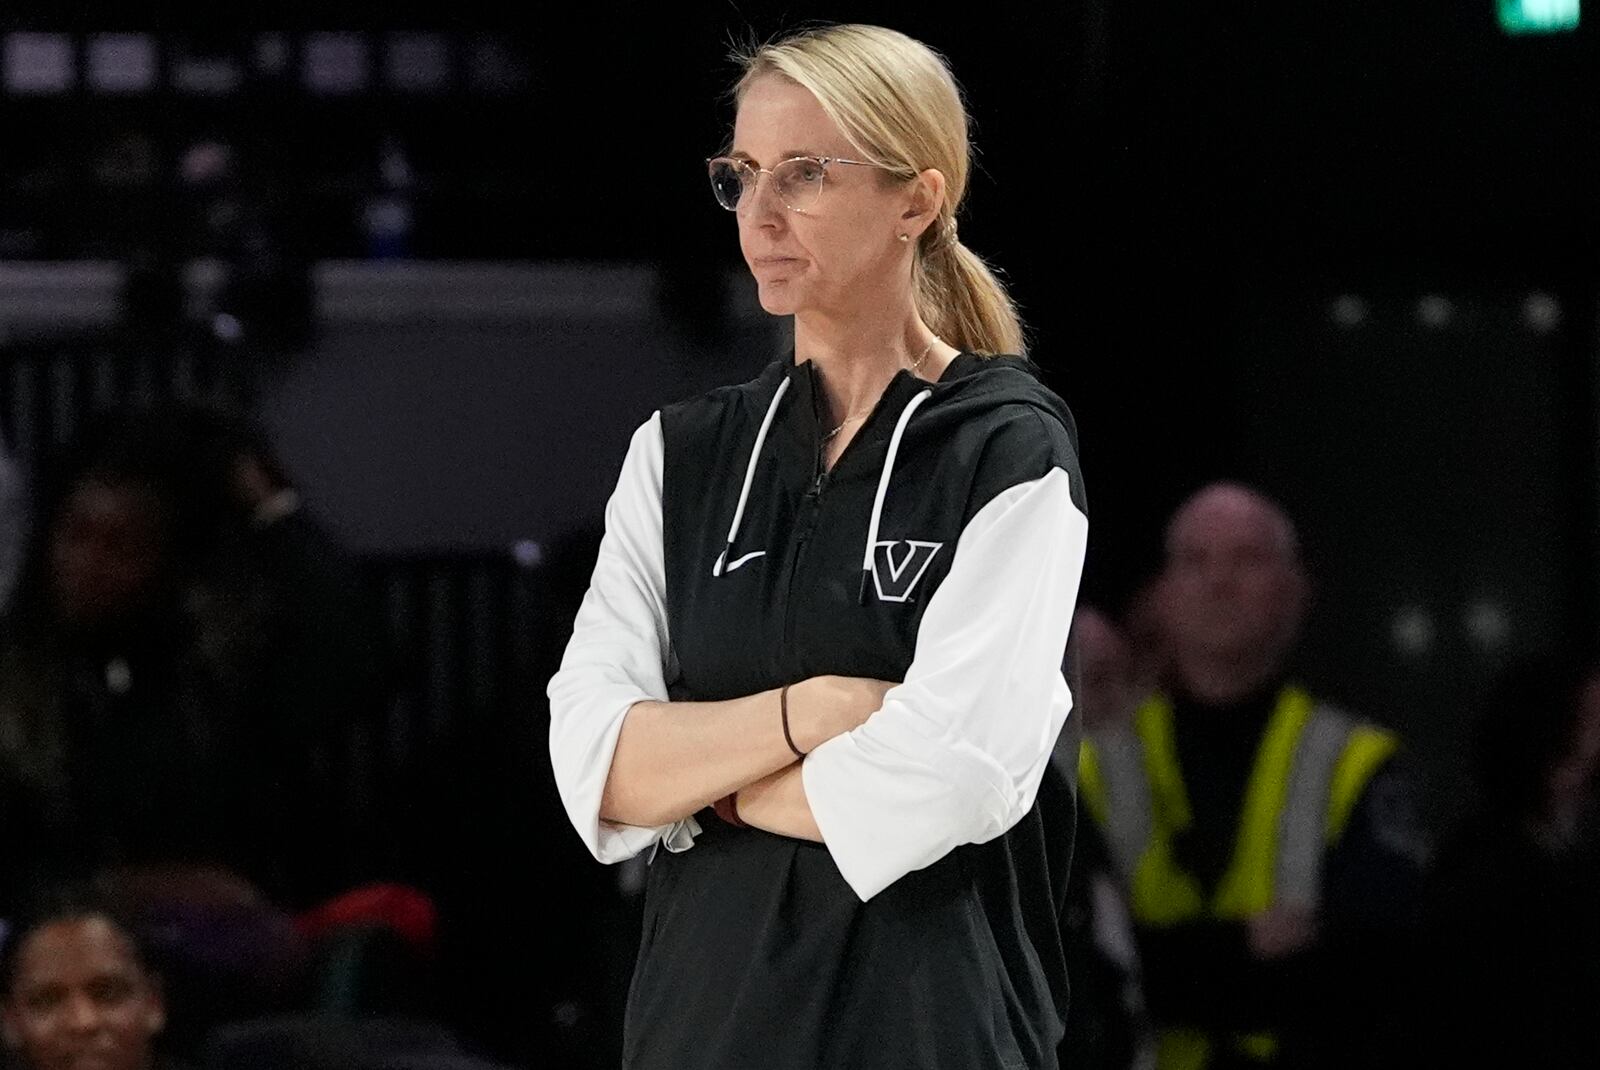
<point x="798" y="182"/>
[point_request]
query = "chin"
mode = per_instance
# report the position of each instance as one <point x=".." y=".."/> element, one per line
<point x="776" y="301"/>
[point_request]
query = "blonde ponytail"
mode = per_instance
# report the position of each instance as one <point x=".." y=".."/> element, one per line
<point x="963" y="302"/>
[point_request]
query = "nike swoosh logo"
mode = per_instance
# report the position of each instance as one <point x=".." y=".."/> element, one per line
<point x="731" y="565"/>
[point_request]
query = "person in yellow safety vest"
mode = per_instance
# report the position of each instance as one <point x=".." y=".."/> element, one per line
<point x="1267" y="841"/>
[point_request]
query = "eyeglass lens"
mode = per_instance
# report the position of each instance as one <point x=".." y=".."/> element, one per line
<point x="797" y="182"/>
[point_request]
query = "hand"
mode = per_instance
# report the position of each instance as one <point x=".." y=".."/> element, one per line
<point x="1282" y="931"/>
<point x="827" y="706"/>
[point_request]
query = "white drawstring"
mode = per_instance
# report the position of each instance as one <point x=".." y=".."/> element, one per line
<point x="883" y="489"/>
<point x="749" y="476"/>
<point x="877" y="501"/>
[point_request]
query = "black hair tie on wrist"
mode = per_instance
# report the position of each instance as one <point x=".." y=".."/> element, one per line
<point x="783" y="708"/>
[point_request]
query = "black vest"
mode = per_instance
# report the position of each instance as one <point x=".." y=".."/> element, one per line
<point x="756" y="953"/>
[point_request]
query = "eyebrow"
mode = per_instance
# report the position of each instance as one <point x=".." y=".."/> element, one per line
<point x="788" y="154"/>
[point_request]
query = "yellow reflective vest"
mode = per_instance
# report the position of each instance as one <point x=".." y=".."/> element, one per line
<point x="1311" y="767"/>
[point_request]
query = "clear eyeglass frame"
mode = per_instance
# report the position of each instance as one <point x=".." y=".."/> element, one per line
<point x="793" y="179"/>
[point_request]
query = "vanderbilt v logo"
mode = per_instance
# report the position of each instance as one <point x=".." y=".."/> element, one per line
<point x="895" y="572"/>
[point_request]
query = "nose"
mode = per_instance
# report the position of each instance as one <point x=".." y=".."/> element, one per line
<point x="82" y="1015"/>
<point x="761" y="205"/>
<point x="1217" y="575"/>
<point x="1223" y="579"/>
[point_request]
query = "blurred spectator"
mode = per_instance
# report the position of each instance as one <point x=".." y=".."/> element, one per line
<point x="1265" y="837"/>
<point x="1515" y="934"/>
<point x="112" y="716"/>
<point x="123" y="731"/>
<point x="224" y="950"/>
<point x="321" y="674"/>
<point x="180" y="681"/>
<point x="79" y="989"/>
<point x="1107" y="1021"/>
<point x="1141" y="620"/>
<point x="1108" y="690"/>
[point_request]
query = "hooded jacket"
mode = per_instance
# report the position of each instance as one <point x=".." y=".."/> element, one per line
<point x="943" y="549"/>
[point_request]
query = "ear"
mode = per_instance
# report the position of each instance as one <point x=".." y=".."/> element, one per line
<point x="924" y="199"/>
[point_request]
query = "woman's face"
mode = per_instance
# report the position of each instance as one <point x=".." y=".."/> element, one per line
<point x="80" y="1000"/>
<point x="844" y="252"/>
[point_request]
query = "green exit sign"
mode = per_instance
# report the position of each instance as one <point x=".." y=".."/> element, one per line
<point x="1538" y="16"/>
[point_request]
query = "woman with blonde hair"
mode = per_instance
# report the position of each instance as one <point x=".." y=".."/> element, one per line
<point x="819" y="658"/>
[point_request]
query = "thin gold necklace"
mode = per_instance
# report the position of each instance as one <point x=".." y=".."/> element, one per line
<point x="861" y="415"/>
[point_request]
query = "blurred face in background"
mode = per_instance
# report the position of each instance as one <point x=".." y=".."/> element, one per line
<point x="1572" y="779"/>
<point x="841" y="253"/>
<point x="1105" y="670"/>
<point x="1232" y="589"/>
<point x="81" y="1000"/>
<point x="1142" y="630"/>
<point x="108" y="549"/>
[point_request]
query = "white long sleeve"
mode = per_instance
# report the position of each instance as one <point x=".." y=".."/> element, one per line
<point x="619" y="654"/>
<point x="956" y="753"/>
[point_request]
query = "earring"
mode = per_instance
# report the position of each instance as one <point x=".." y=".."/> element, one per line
<point x="905" y="237"/>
